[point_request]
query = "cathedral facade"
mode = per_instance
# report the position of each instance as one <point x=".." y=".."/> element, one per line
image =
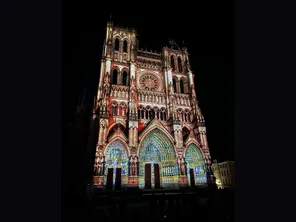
<point x="151" y="130"/>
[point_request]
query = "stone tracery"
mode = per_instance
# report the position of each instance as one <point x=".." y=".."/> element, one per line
<point x="195" y="161"/>
<point x="116" y="156"/>
<point x="146" y="102"/>
<point x="157" y="148"/>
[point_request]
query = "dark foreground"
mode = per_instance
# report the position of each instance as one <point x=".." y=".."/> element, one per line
<point x="163" y="205"/>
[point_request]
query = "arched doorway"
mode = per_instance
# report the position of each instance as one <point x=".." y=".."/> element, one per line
<point x="195" y="161"/>
<point x="116" y="156"/>
<point x="157" y="153"/>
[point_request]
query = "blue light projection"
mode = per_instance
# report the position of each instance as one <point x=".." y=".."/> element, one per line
<point x="116" y="157"/>
<point x="157" y="148"/>
<point x="195" y="161"/>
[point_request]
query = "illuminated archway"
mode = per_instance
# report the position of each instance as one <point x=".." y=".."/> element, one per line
<point x="157" y="148"/>
<point x="116" y="156"/>
<point x="195" y="161"/>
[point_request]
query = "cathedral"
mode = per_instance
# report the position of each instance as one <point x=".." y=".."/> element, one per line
<point x="152" y="133"/>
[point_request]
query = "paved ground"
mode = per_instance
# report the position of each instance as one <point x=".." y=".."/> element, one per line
<point x="163" y="206"/>
<point x="204" y="205"/>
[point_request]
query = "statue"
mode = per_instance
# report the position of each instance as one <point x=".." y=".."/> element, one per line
<point x="136" y="166"/>
<point x="181" y="166"/>
<point x="109" y="51"/>
<point x="180" y="137"/>
<point x="171" y="89"/>
<point x="133" y="165"/>
<point x="100" y="164"/>
<point x="96" y="168"/>
<point x="133" y="82"/>
<point x="106" y="78"/>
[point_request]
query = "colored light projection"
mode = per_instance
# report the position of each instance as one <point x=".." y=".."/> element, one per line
<point x="157" y="148"/>
<point x="190" y="78"/>
<point x="116" y="157"/>
<point x="108" y="66"/>
<point x="132" y="70"/>
<point x="170" y="77"/>
<point x="195" y="161"/>
<point x="141" y="125"/>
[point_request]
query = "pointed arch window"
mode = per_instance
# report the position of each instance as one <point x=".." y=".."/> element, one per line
<point x="180" y="64"/>
<point x="124" y="46"/>
<point x="114" y="110"/>
<point x="147" y="114"/>
<point x="114" y="77"/>
<point x="184" y="85"/>
<point x="116" y="44"/>
<point x="124" y="78"/>
<point x="181" y="86"/>
<point x="175" y="85"/>
<point x="172" y="62"/>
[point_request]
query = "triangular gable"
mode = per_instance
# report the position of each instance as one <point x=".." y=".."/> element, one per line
<point x="191" y="138"/>
<point x="155" y="123"/>
<point x="118" y="134"/>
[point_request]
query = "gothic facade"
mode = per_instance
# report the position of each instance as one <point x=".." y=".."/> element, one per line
<point x="150" y="124"/>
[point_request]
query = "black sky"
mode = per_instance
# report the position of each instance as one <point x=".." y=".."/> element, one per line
<point x="207" y="32"/>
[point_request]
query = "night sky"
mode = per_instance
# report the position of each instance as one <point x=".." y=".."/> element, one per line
<point x="207" y="33"/>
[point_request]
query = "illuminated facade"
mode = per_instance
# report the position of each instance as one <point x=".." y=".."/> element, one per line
<point x="224" y="173"/>
<point x="150" y="124"/>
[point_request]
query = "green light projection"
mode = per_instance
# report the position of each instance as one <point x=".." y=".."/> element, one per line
<point x="195" y="161"/>
<point x="157" y="148"/>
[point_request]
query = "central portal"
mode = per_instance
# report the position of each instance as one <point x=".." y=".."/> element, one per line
<point x="152" y="176"/>
<point x="157" y="161"/>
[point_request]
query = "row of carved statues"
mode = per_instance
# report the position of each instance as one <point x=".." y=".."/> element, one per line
<point x="180" y="168"/>
<point x="119" y="94"/>
<point x="182" y="100"/>
<point x="154" y="98"/>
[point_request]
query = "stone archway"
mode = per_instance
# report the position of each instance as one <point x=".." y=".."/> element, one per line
<point x="195" y="161"/>
<point x="156" y="148"/>
<point x="116" y="156"/>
